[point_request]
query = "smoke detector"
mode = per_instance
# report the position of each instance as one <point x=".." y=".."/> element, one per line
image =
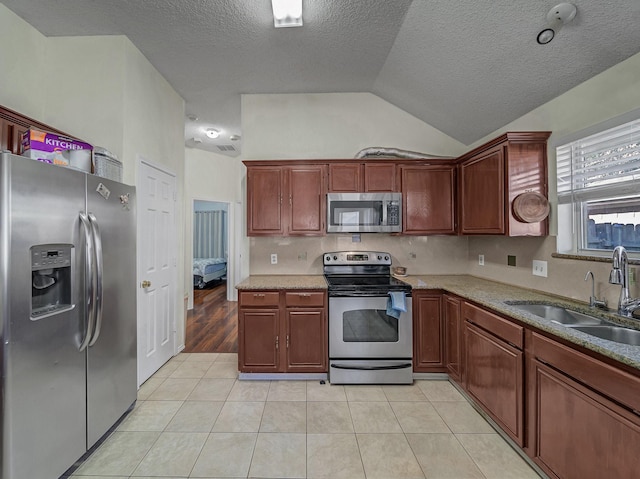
<point x="558" y="16"/>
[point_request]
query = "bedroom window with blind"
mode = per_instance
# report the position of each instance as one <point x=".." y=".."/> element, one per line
<point x="599" y="192"/>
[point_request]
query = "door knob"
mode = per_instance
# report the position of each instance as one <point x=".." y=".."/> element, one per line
<point x="145" y="284"/>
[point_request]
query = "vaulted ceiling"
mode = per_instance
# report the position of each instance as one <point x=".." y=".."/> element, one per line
<point x="465" y="67"/>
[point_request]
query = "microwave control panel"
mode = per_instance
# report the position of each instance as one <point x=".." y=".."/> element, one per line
<point x="393" y="214"/>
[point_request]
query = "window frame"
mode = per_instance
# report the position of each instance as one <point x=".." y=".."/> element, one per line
<point x="572" y="204"/>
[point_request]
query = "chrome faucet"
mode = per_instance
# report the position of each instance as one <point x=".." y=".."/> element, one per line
<point x="620" y="275"/>
<point x="593" y="301"/>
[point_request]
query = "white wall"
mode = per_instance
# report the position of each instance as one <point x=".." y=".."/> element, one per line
<point x="23" y="53"/>
<point x="333" y="125"/>
<point x="103" y="90"/>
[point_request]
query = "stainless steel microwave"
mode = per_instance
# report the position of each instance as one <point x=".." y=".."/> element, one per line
<point x="364" y="212"/>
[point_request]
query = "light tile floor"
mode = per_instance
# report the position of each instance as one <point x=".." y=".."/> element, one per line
<point x="194" y="419"/>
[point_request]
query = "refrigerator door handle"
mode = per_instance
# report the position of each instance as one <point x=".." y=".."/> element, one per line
<point x="89" y="281"/>
<point x="97" y="240"/>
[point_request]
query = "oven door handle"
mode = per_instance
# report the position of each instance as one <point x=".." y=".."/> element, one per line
<point x="372" y="368"/>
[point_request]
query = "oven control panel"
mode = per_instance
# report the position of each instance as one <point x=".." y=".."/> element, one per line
<point x="357" y="257"/>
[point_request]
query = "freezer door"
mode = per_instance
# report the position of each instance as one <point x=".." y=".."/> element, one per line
<point x="111" y="366"/>
<point x="44" y="389"/>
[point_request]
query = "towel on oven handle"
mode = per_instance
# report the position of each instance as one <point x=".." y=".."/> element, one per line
<point x="396" y="304"/>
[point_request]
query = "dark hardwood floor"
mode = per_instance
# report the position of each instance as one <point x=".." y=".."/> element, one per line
<point x="212" y="324"/>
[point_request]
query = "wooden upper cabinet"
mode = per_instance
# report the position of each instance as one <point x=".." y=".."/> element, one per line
<point x="265" y="185"/>
<point x="493" y="175"/>
<point x="428" y="199"/>
<point x="13" y="125"/>
<point x="345" y="178"/>
<point x="286" y="200"/>
<point x="379" y="177"/>
<point x="482" y="194"/>
<point x="307" y="200"/>
<point x="358" y="177"/>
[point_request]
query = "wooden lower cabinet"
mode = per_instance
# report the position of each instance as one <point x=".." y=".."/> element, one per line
<point x="288" y="336"/>
<point x="258" y="338"/>
<point x="428" y="333"/>
<point x="453" y="336"/>
<point x="494" y="368"/>
<point x="578" y="430"/>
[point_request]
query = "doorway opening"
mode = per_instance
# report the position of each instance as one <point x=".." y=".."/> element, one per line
<point x="211" y="326"/>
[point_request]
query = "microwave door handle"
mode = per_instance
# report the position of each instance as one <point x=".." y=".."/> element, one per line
<point x="97" y="239"/>
<point x="89" y="282"/>
<point x="385" y="206"/>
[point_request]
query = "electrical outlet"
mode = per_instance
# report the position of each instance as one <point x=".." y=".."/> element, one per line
<point x="481" y="259"/>
<point x="274" y="258"/>
<point x="302" y="256"/>
<point x="539" y="268"/>
<point x="412" y="256"/>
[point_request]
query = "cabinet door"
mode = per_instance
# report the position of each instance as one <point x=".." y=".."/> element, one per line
<point x="258" y="341"/>
<point x="345" y="177"/>
<point x="428" y="351"/>
<point x="453" y="334"/>
<point x="264" y="200"/>
<point x="379" y="177"/>
<point x="307" y="200"/>
<point x="428" y="199"/>
<point x="581" y="434"/>
<point x="11" y="136"/>
<point x="482" y="208"/>
<point x="493" y="377"/>
<point x="306" y="340"/>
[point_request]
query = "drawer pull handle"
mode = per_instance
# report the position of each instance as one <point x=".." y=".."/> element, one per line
<point x="305" y="295"/>
<point x="258" y="295"/>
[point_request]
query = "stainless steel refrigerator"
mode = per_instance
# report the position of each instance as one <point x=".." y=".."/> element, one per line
<point x="67" y="313"/>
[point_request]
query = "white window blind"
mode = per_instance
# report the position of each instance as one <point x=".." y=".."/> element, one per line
<point x="603" y="165"/>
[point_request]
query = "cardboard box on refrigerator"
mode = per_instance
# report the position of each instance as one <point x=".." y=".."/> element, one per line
<point x="51" y="148"/>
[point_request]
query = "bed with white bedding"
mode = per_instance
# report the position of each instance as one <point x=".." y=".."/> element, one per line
<point x="206" y="270"/>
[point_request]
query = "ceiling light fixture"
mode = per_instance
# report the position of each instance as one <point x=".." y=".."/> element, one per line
<point x="287" y="13"/>
<point x="558" y="16"/>
<point x="212" y="133"/>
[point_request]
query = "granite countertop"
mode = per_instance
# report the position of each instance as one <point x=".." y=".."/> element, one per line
<point x="494" y="296"/>
<point x="291" y="281"/>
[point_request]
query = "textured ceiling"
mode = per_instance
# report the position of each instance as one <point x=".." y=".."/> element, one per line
<point x="466" y="67"/>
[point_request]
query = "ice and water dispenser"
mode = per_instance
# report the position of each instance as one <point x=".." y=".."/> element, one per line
<point x="51" y="277"/>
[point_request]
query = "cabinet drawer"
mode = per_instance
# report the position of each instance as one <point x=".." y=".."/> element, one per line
<point x="610" y="381"/>
<point x="259" y="298"/>
<point x="304" y="298"/>
<point x="500" y="327"/>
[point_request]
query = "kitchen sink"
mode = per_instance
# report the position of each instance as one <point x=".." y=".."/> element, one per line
<point x="560" y="315"/>
<point x="582" y="322"/>
<point x="612" y="333"/>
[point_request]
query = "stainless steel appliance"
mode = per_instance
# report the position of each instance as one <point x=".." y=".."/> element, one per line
<point x="67" y="313"/>
<point x="367" y="345"/>
<point x="364" y="212"/>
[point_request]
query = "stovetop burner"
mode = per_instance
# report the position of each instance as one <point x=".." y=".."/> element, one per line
<point x="361" y="273"/>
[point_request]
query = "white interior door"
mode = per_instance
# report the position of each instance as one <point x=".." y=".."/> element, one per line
<point x="156" y="268"/>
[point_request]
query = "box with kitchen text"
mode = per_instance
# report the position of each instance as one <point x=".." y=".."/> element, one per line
<point x="51" y="148"/>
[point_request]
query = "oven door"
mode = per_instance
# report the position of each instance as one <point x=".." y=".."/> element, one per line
<point x="359" y="328"/>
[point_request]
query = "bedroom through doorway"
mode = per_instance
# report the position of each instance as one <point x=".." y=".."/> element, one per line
<point x="212" y="323"/>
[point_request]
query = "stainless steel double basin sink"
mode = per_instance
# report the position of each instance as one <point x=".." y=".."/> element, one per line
<point x="582" y="322"/>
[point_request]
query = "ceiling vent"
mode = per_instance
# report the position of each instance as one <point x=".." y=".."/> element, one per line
<point x="226" y="148"/>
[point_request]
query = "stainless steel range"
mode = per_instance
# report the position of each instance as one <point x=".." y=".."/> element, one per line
<point x="370" y="341"/>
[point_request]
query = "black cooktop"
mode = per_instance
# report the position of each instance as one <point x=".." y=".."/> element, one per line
<point x="360" y="285"/>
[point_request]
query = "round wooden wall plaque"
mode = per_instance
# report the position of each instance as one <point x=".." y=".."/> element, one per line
<point x="530" y="207"/>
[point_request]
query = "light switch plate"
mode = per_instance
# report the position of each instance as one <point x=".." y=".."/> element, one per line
<point x="539" y="268"/>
